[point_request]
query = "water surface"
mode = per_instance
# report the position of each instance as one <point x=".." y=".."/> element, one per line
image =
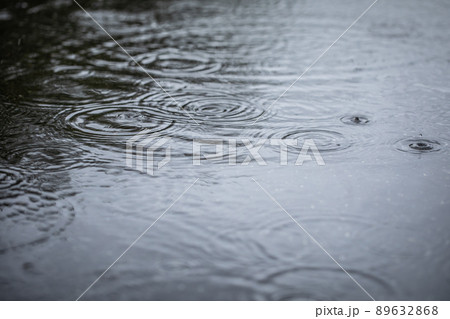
<point x="376" y="106"/>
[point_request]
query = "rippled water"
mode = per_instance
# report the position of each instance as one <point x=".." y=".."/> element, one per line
<point x="376" y="106"/>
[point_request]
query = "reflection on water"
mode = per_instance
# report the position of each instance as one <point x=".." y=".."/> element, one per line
<point x="33" y="209"/>
<point x="376" y="106"/>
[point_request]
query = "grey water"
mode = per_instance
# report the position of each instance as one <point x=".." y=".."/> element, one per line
<point x="376" y="105"/>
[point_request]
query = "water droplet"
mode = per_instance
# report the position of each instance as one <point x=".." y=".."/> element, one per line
<point x="417" y="145"/>
<point x="355" y="120"/>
